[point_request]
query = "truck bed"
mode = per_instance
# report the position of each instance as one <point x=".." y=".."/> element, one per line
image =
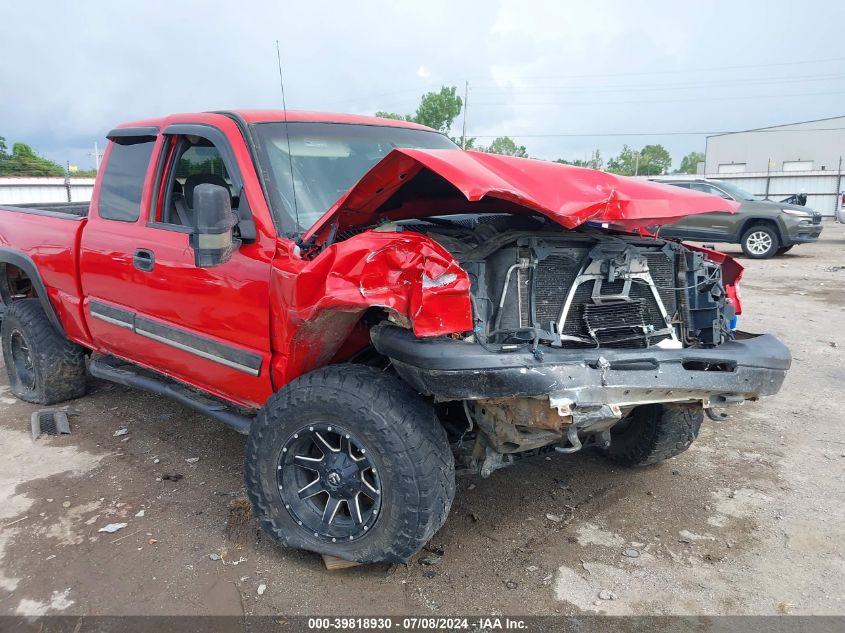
<point x="43" y="242"/>
<point x="55" y="209"/>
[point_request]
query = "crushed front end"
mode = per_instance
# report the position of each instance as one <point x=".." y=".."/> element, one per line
<point x="573" y="330"/>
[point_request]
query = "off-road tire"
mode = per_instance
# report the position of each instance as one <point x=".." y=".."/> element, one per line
<point x="404" y="439"/>
<point x="652" y="433"/>
<point x="784" y="249"/>
<point x="57" y="366"/>
<point x="752" y="237"/>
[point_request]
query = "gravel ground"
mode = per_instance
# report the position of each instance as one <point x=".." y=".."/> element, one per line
<point x="749" y="521"/>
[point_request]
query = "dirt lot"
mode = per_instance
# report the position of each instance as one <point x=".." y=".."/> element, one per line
<point x="751" y="520"/>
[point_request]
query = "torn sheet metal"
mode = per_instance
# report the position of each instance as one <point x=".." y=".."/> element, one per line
<point x="457" y="179"/>
<point x="410" y="275"/>
<point x="322" y="291"/>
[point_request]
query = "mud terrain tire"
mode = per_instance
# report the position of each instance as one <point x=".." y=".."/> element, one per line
<point x="652" y="433"/>
<point x="380" y="422"/>
<point x="43" y="366"/>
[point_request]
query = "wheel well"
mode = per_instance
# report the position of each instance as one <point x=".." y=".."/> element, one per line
<point x="15" y="284"/>
<point x="760" y="222"/>
<point x="19" y="279"/>
<point x="357" y="347"/>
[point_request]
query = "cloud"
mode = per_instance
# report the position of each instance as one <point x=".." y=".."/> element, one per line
<point x="536" y="68"/>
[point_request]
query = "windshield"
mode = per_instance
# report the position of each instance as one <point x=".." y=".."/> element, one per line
<point x="327" y="160"/>
<point x="737" y="192"/>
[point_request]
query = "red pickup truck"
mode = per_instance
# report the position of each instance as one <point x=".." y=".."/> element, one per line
<point x="364" y="300"/>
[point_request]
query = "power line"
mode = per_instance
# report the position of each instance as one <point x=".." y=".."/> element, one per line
<point x="522" y="104"/>
<point x="619" y="134"/>
<point x="665" y="86"/>
<point x="482" y="80"/>
<point x="631" y="88"/>
<point x="683" y="70"/>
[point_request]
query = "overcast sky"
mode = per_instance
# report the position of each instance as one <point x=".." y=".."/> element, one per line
<point x="538" y="71"/>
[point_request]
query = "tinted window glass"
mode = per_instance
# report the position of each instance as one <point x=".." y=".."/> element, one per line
<point x="705" y="188"/>
<point x="198" y="161"/>
<point x="737" y="192"/>
<point x="123" y="181"/>
<point x="327" y="159"/>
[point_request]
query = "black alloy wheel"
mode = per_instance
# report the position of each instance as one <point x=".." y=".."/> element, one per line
<point x="22" y="359"/>
<point x="328" y="483"/>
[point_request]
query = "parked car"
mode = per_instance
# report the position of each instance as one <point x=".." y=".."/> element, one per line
<point x="361" y="297"/>
<point x="762" y="227"/>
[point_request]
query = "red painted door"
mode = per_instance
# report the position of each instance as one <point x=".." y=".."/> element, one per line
<point x="147" y="301"/>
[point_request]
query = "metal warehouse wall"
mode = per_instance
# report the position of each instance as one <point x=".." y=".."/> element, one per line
<point x="40" y="190"/>
<point x="822" y="187"/>
<point x="821" y="142"/>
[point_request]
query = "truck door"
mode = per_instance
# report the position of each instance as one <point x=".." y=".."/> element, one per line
<point x="148" y="302"/>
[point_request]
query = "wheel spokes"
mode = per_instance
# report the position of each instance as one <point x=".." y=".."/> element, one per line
<point x="330" y="510"/>
<point x="355" y="509"/>
<point x="368" y="489"/>
<point x="311" y="489"/>
<point x="350" y="450"/>
<point x="324" y="443"/>
<point x="309" y="463"/>
<point x="328" y="482"/>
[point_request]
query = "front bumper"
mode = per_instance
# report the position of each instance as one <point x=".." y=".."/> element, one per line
<point x="454" y="370"/>
<point x="797" y="233"/>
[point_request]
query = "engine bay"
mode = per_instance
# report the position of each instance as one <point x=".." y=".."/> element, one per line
<point x="536" y="284"/>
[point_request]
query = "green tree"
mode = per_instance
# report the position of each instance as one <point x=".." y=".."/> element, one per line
<point x="594" y="162"/>
<point x="391" y="115"/>
<point x="689" y="163"/>
<point x="3" y="156"/>
<point x="507" y="146"/>
<point x="469" y="143"/>
<point x="651" y="160"/>
<point x="437" y="110"/>
<point x="84" y="173"/>
<point x="25" y="162"/>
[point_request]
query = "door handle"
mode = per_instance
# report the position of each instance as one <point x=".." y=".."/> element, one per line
<point x="143" y="259"/>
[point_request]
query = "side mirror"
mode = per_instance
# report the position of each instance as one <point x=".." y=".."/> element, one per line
<point x="212" y="239"/>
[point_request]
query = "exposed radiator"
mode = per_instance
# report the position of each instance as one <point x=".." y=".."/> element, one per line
<point x="553" y="277"/>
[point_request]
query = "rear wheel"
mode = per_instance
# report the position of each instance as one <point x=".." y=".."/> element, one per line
<point x="652" y="433"/>
<point x="43" y="366"/>
<point x="760" y="242"/>
<point x="351" y="462"/>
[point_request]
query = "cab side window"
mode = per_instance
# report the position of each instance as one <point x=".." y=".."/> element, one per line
<point x="704" y="187"/>
<point x="195" y="161"/>
<point x="123" y="179"/>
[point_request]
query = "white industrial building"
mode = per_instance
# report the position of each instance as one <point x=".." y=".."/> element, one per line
<point x="39" y="190"/>
<point x="779" y="161"/>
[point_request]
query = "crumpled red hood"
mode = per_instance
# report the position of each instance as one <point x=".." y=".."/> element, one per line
<point x="567" y="195"/>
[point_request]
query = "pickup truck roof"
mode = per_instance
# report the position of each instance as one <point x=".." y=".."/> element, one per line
<point x="270" y="116"/>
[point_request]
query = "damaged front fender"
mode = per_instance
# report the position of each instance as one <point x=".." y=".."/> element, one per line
<point x="320" y="301"/>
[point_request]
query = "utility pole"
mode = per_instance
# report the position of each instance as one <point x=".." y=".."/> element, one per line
<point x="464" y="130"/>
<point x="96" y="156"/>
<point x="637" y="165"/>
<point x="837" y="216"/>
<point x="768" y="176"/>
<point x="67" y="181"/>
